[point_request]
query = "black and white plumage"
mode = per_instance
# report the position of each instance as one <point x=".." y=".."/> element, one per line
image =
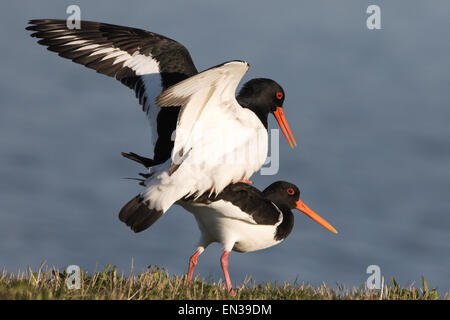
<point x="247" y="209"/>
<point x="213" y="126"/>
<point x="244" y="219"/>
<point x="157" y="67"/>
<point x="217" y="141"/>
<point x="144" y="61"/>
<point x="241" y="218"/>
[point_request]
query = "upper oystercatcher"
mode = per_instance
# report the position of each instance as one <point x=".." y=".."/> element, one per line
<point x="219" y="138"/>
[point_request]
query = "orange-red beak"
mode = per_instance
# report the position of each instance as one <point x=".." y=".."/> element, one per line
<point x="306" y="210"/>
<point x="279" y="115"/>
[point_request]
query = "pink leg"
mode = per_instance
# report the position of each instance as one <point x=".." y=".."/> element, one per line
<point x="224" y="263"/>
<point x="192" y="264"/>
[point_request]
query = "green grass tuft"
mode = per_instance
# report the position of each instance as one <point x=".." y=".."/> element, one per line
<point x="155" y="283"/>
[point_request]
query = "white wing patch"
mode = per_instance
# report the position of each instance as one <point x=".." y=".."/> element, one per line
<point x="153" y="87"/>
<point x="139" y="63"/>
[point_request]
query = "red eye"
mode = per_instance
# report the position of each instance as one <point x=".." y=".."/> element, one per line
<point x="290" y="191"/>
<point x="279" y="95"/>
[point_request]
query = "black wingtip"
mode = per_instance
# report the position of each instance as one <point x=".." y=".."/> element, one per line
<point x="35" y="22"/>
<point x="38" y="25"/>
<point x="32" y="25"/>
<point x="137" y="215"/>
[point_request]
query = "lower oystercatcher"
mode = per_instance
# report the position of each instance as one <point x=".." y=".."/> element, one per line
<point x="244" y="219"/>
<point x="241" y="218"/>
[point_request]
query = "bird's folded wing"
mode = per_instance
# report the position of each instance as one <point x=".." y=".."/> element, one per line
<point x="242" y="202"/>
<point x="144" y="61"/>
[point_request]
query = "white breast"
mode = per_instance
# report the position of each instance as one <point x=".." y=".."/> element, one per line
<point x="217" y="142"/>
<point x="225" y="223"/>
<point x="226" y="147"/>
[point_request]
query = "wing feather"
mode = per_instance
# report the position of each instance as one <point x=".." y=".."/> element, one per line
<point x="214" y="89"/>
<point x="253" y="206"/>
<point x="144" y="61"/>
<point x="229" y="73"/>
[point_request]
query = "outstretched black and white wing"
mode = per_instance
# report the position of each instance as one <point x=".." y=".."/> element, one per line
<point x="144" y="61"/>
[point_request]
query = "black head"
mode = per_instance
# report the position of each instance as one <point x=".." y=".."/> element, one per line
<point x="264" y="96"/>
<point x="286" y="196"/>
<point x="283" y="194"/>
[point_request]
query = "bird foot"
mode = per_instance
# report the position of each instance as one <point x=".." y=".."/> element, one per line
<point x="243" y="181"/>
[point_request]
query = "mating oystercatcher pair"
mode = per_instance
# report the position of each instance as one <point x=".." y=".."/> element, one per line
<point x="207" y="142"/>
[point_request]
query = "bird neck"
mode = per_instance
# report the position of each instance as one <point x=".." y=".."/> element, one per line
<point x="261" y="112"/>
<point x="285" y="227"/>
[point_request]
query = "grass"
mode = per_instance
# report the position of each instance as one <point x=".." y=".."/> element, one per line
<point x="156" y="283"/>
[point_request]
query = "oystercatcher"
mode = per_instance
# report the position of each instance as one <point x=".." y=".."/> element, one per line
<point x="244" y="219"/>
<point x="241" y="218"/>
<point x="220" y="138"/>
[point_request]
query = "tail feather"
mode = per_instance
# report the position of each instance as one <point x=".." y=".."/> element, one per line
<point x="146" y="162"/>
<point x="137" y="215"/>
